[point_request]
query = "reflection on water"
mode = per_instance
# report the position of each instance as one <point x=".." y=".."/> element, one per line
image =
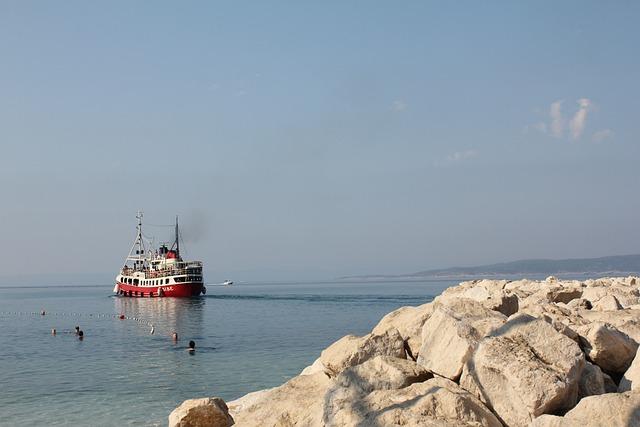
<point x="167" y="315"/>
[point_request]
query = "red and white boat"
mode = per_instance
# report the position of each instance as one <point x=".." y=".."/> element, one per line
<point x="161" y="272"/>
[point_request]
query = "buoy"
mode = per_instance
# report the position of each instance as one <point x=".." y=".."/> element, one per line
<point x="121" y="317"/>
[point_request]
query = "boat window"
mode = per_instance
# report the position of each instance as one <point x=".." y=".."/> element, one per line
<point x="135" y="282"/>
<point x="166" y="281"/>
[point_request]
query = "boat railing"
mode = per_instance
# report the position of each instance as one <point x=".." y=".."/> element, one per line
<point x="175" y="269"/>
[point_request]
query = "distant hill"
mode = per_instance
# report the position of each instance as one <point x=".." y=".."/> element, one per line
<point x="610" y="265"/>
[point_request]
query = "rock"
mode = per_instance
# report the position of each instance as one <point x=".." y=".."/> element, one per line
<point x="626" y="321"/>
<point x="453" y="332"/>
<point x="436" y="402"/>
<point x="607" y="347"/>
<point x="607" y="303"/>
<point x="205" y="412"/>
<point x="299" y="401"/>
<point x="563" y="319"/>
<point x="408" y="321"/>
<point x="490" y="293"/>
<point x="631" y="378"/>
<point x="591" y="382"/>
<point x="351" y="350"/>
<point x="579" y="304"/>
<point x="610" y="386"/>
<point x="553" y="292"/>
<point x="525" y="369"/>
<point x="314" y="368"/>
<point x="611" y="410"/>
<point x="625" y="294"/>
<point x="382" y="373"/>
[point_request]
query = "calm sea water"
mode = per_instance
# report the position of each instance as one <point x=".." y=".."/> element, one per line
<point x="248" y="337"/>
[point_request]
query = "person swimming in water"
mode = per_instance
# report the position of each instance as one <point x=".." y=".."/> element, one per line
<point x="78" y="330"/>
<point x="80" y="335"/>
<point x="192" y="346"/>
<point x="175" y="337"/>
<point x="53" y="331"/>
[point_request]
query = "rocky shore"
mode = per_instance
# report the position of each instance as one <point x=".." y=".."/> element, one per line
<point x="488" y="353"/>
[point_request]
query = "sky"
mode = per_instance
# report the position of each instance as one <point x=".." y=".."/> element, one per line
<point x="310" y="140"/>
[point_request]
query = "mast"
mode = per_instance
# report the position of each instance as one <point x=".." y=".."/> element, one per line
<point x="137" y="252"/>
<point x="177" y="239"/>
<point x="139" y="238"/>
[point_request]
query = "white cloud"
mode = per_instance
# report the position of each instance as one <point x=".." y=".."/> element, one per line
<point x="461" y="155"/>
<point x="602" y="135"/>
<point x="579" y="120"/>
<point x="557" y="125"/>
<point x="399" y="105"/>
<point x="557" y="121"/>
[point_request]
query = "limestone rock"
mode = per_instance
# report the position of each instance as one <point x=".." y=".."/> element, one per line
<point x="579" y="304"/>
<point x="591" y="381"/>
<point x="314" y="368"/>
<point x="490" y="293"/>
<point x="607" y="303"/>
<point x="563" y="319"/>
<point x="553" y="292"/>
<point x="626" y="321"/>
<point x="205" y="412"/>
<point x="524" y="369"/>
<point x="611" y="410"/>
<point x="607" y="347"/>
<point x="625" y="293"/>
<point x="351" y="350"/>
<point x="631" y="378"/>
<point x="452" y="333"/>
<point x="437" y="402"/>
<point x="382" y="373"/>
<point x="299" y="401"/>
<point x="408" y="321"/>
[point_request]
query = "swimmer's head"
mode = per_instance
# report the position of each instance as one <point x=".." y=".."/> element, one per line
<point x="53" y="331"/>
<point x="192" y="345"/>
<point x="175" y="336"/>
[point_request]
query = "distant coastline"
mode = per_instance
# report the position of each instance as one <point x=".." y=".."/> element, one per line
<point x="618" y="265"/>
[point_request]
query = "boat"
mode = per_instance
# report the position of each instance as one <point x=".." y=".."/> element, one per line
<point x="227" y="282"/>
<point x="161" y="272"/>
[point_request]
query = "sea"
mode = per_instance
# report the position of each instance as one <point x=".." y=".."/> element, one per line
<point x="248" y="337"/>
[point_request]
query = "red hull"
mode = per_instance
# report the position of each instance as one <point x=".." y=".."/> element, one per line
<point x="192" y="289"/>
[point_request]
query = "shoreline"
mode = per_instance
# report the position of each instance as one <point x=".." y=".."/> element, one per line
<point x="482" y="353"/>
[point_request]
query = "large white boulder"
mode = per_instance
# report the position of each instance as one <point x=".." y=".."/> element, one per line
<point x="452" y="333"/>
<point x="607" y="347"/>
<point x="299" y="401"/>
<point x="437" y="402"/>
<point x="631" y="378"/>
<point x="524" y="369"/>
<point x="490" y="293"/>
<point x="351" y="350"/>
<point x="205" y="412"/>
<point x="382" y="373"/>
<point x="607" y="303"/>
<point x="610" y="410"/>
<point x="408" y="321"/>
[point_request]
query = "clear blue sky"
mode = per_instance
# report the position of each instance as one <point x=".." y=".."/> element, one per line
<point x="305" y="140"/>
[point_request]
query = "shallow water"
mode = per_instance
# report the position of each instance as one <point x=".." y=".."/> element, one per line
<point x="248" y="337"/>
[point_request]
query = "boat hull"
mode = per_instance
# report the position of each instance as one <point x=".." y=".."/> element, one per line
<point x="188" y="289"/>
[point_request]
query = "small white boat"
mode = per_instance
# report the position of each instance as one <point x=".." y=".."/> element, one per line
<point x="227" y="283"/>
